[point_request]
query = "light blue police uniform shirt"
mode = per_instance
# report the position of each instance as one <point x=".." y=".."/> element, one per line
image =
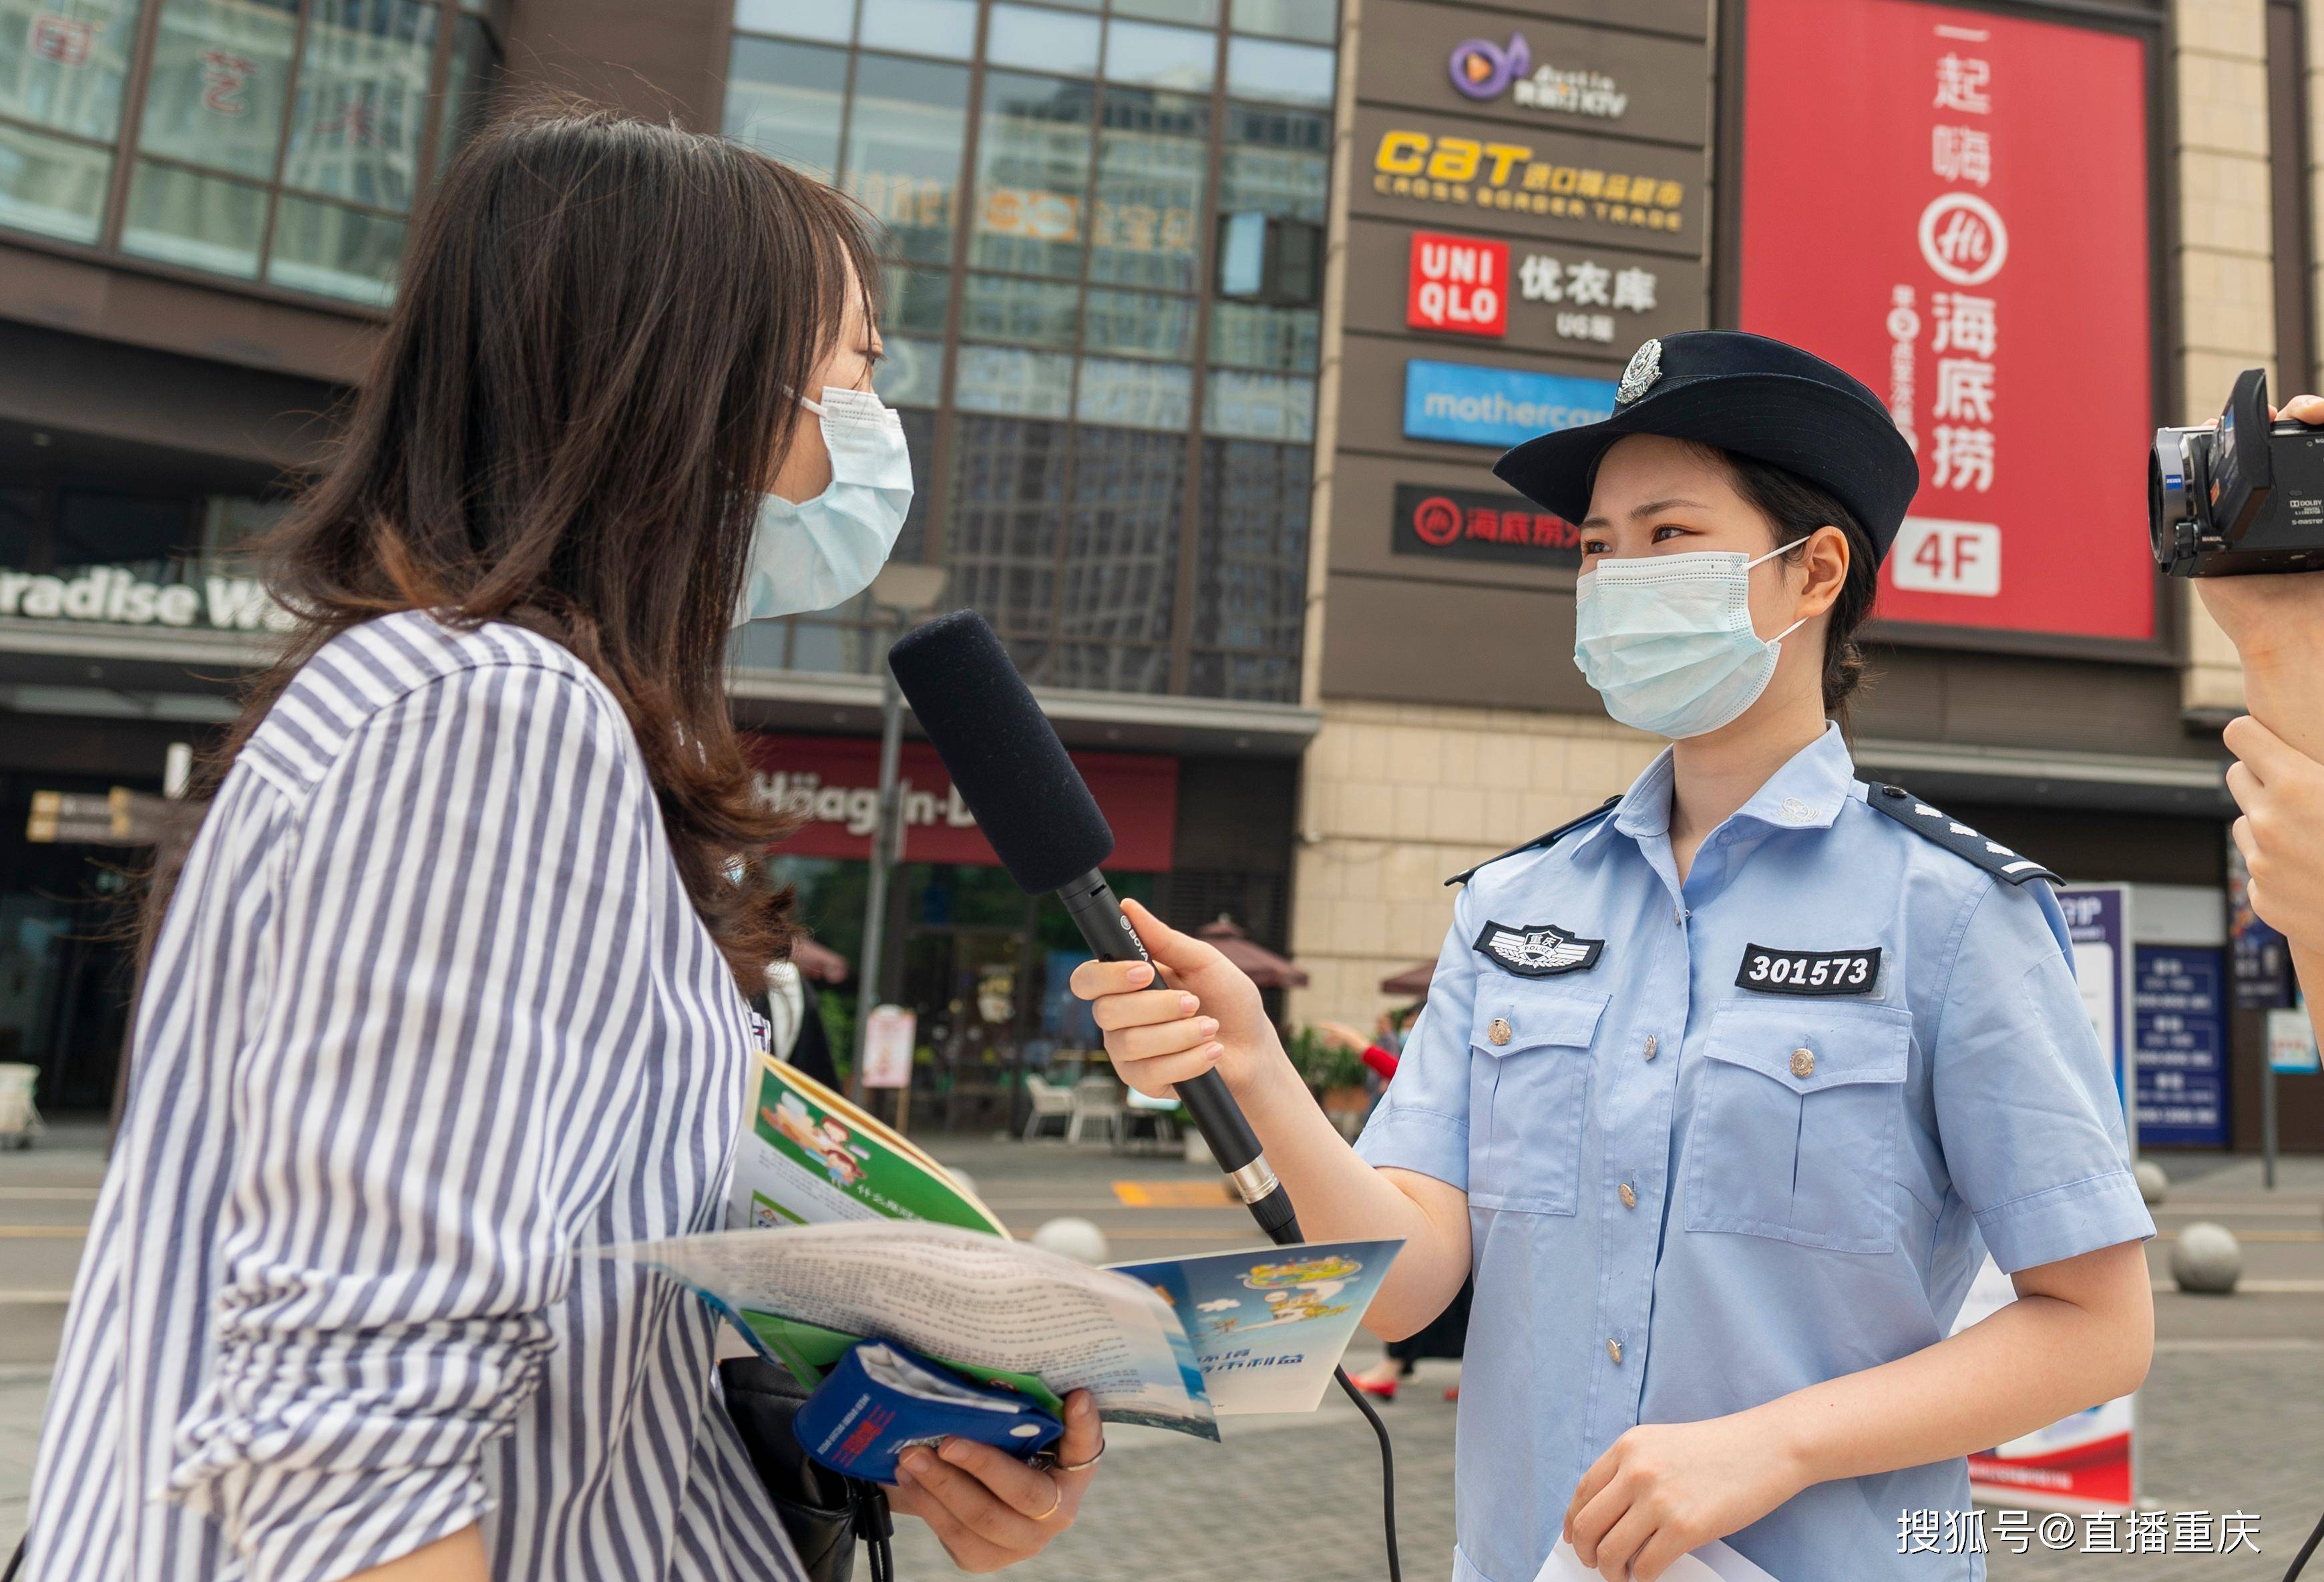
<point x="1690" y="1194"/>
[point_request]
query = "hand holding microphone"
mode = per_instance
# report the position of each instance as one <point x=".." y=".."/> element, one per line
<point x="1204" y="1014"/>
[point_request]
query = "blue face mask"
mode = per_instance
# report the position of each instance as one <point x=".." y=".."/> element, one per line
<point x="813" y="554"/>
<point x="1667" y="640"/>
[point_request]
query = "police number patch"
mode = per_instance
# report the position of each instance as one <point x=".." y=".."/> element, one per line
<point x="1771" y="972"/>
<point x="1539" y="950"/>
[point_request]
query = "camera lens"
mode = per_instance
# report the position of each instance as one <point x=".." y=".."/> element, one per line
<point x="2171" y="474"/>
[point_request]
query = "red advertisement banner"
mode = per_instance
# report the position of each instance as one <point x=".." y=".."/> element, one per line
<point x="1457" y="284"/>
<point x="833" y="784"/>
<point x="1924" y="208"/>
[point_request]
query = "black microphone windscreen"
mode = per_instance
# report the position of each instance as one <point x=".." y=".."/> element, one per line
<point x="1004" y="756"/>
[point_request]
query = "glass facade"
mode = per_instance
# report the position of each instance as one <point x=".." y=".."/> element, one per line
<point x="1111" y="427"/>
<point x="282" y="141"/>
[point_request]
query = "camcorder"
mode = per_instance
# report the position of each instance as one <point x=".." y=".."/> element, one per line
<point x="2242" y="497"/>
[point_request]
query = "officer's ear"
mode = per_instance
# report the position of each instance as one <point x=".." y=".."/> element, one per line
<point x="1823" y="555"/>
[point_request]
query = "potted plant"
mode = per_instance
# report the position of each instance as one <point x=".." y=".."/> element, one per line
<point x="1333" y="1072"/>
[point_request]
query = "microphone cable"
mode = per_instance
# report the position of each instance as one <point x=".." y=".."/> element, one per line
<point x="2300" y="1560"/>
<point x="1387" y="1472"/>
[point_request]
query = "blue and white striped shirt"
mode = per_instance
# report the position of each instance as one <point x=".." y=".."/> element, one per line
<point x="431" y="1011"/>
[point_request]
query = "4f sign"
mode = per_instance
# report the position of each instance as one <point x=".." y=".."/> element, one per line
<point x="1934" y="556"/>
<point x="1962" y="238"/>
<point x="1457" y="284"/>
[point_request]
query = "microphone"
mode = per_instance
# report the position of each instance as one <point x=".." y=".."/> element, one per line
<point x="1010" y="768"/>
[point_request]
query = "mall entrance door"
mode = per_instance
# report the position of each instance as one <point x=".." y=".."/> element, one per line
<point x="964" y="983"/>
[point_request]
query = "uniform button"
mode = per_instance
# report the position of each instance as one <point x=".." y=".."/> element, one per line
<point x="1677" y="917"/>
<point x="1650" y="1047"/>
<point x="1803" y="1062"/>
<point x="1614" y="1350"/>
<point x="1630" y="1197"/>
<point x="1500" y="1031"/>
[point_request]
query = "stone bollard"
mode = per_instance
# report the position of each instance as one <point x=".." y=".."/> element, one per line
<point x="2153" y="1183"/>
<point x="1071" y="1238"/>
<point x="2207" y="1259"/>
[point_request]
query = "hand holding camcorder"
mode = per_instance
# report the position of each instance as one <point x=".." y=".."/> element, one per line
<point x="2240" y="496"/>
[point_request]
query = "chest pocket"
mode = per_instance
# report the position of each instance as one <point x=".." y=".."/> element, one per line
<point x="1794" y="1133"/>
<point x="1529" y="1086"/>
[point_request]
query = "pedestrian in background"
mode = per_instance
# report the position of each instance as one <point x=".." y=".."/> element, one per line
<point x="451" y="990"/>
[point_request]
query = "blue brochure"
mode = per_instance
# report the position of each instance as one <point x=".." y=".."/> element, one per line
<point x="881" y="1400"/>
<point x="1267" y="1325"/>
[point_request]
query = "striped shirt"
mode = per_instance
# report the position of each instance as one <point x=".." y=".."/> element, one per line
<point x="430" y="1012"/>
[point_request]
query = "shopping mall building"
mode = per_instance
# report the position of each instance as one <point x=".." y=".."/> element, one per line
<point x="1206" y="318"/>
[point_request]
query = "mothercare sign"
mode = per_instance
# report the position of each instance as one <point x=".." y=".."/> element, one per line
<point x="117" y="596"/>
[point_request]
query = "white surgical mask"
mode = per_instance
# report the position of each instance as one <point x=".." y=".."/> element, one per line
<point x="1667" y="640"/>
<point x="814" y="554"/>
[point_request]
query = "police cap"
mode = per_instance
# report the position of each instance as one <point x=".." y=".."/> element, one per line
<point x="1745" y="393"/>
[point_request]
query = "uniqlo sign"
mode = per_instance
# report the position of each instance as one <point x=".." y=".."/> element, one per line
<point x="1459" y="283"/>
<point x="1926" y="206"/>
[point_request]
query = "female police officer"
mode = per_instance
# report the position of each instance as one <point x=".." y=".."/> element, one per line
<point x="1723" y="1090"/>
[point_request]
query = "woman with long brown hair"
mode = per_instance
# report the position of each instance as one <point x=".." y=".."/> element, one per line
<point x="447" y="987"/>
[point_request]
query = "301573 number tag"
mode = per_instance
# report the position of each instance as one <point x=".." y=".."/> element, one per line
<point x="1765" y="970"/>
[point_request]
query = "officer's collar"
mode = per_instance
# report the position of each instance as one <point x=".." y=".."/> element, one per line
<point x="1805" y="794"/>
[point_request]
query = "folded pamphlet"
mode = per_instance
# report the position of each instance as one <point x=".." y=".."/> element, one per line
<point x="881" y="1401"/>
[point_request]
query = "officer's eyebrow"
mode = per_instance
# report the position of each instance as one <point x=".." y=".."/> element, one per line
<point x="1650" y="509"/>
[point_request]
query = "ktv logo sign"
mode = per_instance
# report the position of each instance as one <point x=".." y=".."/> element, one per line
<point x="1482" y="70"/>
<point x="1457" y="284"/>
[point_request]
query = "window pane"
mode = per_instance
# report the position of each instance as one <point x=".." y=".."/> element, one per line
<point x="923" y="27"/>
<point x="1008" y="500"/>
<point x="1032" y="170"/>
<point x="1040" y="313"/>
<point x="337" y="252"/>
<point x="1259" y="406"/>
<point x="1201" y="13"/>
<point x="784" y="99"/>
<point x="904" y="138"/>
<point x="1276" y="162"/>
<point x="1001" y="379"/>
<point x="466" y="83"/>
<point x="1297" y="74"/>
<point x="920" y="442"/>
<point x="1161" y="57"/>
<point x="1122" y="544"/>
<point x="51" y="186"/>
<point x="61" y="62"/>
<point x="1316" y="21"/>
<point x="913" y="300"/>
<point x="1040" y="40"/>
<point x="220" y="71"/>
<point x="362" y="96"/>
<point x="1149" y="188"/>
<point x="1266" y="678"/>
<point x="203" y="222"/>
<point x="830" y="21"/>
<point x="1246" y="336"/>
<point x="912" y="372"/>
<point x="1139" y="324"/>
<point x="1135" y="395"/>
<point x="1252" y="573"/>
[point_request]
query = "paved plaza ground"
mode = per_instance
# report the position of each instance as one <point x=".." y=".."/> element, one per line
<point x="2232" y="1419"/>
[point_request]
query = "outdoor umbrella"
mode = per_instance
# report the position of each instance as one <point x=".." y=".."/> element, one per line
<point x="1411" y="983"/>
<point x="1259" y="964"/>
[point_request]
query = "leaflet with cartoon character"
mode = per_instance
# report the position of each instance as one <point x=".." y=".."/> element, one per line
<point x="1269" y="1325"/>
<point x="808" y="1156"/>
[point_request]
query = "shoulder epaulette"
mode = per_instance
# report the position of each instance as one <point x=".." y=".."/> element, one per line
<point x="1932" y="824"/>
<point x="1538" y="842"/>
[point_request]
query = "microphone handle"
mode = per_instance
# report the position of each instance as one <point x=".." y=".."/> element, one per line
<point x="1090" y="901"/>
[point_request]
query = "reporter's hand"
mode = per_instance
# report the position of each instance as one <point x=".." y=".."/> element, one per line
<point x="2274" y="620"/>
<point x="1204" y="1014"/>
<point x="1664" y="1489"/>
<point x="991" y="1510"/>
<point x="2281" y="835"/>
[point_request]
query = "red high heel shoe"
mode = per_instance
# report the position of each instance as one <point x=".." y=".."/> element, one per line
<point x="1386" y="1391"/>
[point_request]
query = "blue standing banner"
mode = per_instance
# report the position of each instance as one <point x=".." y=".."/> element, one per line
<point x="2183" y="1040"/>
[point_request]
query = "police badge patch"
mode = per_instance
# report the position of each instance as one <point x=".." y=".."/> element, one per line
<point x="1539" y="950"/>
